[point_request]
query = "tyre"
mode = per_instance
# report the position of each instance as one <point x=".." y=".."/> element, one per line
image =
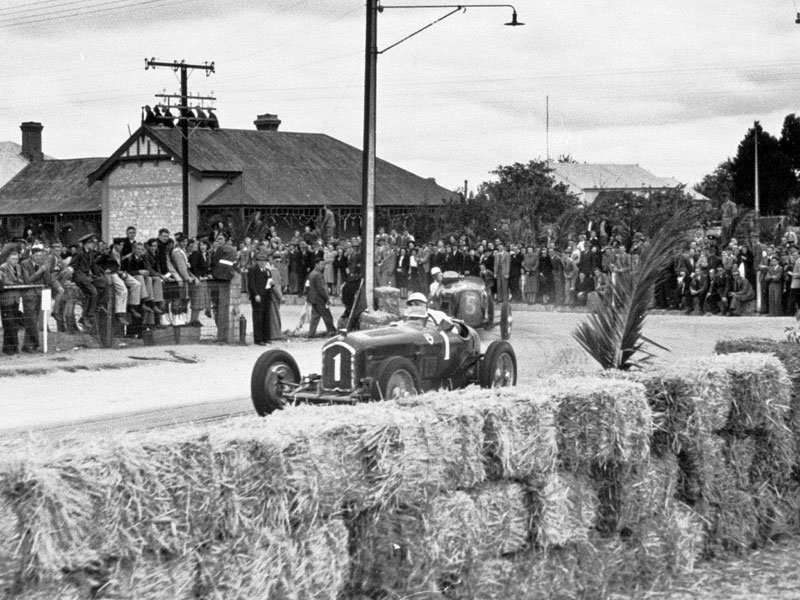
<point x="266" y="389"/>
<point x="498" y="367"/>
<point x="396" y="377"/>
<point x="506" y="320"/>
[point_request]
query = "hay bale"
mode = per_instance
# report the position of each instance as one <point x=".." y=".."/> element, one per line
<point x="519" y="440"/>
<point x="789" y="355"/>
<point x="416" y="452"/>
<point x="312" y="564"/>
<point x="726" y="506"/>
<point x="761" y="392"/>
<point x="649" y="492"/>
<point x="52" y="510"/>
<point x="564" y="510"/>
<point x="505" y="517"/>
<point x="414" y="549"/>
<point x="151" y="577"/>
<point x="601" y="422"/>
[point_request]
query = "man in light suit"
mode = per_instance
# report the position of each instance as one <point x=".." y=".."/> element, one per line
<point x="502" y="271"/>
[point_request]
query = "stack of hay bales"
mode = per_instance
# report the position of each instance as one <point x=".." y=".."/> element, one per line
<point x="789" y="355"/>
<point x="576" y="487"/>
<point x="723" y="421"/>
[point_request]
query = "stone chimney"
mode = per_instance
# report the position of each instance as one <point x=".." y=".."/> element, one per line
<point x="267" y="122"/>
<point x="32" y="140"/>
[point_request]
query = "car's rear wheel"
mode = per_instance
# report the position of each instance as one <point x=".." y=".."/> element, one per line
<point x="506" y="320"/>
<point x="272" y="370"/>
<point x="498" y="367"/>
<point x="396" y="378"/>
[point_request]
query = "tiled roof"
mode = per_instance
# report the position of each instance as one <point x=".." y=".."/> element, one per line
<point x="11" y="161"/>
<point x="285" y="168"/>
<point x="581" y="177"/>
<point x="52" y="186"/>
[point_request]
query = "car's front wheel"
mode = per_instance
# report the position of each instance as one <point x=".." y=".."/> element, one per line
<point x="396" y="378"/>
<point x="272" y="371"/>
<point x="498" y="367"/>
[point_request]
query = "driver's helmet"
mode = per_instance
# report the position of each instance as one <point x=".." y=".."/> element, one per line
<point x="417" y="297"/>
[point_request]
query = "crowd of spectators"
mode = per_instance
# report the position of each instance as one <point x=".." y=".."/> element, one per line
<point x="176" y="279"/>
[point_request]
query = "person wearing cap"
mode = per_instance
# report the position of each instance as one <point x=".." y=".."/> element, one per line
<point x="223" y="259"/>
<point x="436" y="287"/>
<point x="259" y="288"/>
<point x="318" y="299"/>
<point x="90" y="279"/>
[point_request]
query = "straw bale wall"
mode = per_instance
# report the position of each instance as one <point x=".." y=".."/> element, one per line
<point x="576" y="487"/>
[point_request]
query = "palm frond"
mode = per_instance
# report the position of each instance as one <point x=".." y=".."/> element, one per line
<point x="612" y="332"/>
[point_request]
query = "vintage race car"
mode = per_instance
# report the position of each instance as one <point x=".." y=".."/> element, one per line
<point x="389" y="362"/>
<point x="466" y="299"/>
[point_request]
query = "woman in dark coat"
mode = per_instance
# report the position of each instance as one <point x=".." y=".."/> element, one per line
<point x="545" y="276"/>
<point x="200" y="267"/>
<point x="401" y="271"/>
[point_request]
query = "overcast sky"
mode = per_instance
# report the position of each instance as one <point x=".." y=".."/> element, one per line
<point x="670" y="85"/>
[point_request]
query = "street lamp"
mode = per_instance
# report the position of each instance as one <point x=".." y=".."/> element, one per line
<point x="368" y="157"/>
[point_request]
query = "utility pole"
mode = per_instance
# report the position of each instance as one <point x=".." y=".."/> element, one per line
<point x="368" y="157"/>
<point x="547" y="126"/>
<point x="183" y="67"/>
<point x="759" y="274"/>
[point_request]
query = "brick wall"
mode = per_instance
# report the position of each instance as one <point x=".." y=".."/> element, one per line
<point x="146" y="195"/>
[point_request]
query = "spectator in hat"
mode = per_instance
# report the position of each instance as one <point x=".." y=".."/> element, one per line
<point x="89" y="276"/>
<point x="318" y="299"/>
<point x="259" y="288"/>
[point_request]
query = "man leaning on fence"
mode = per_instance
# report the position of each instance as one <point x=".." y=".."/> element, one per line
<point x="10" y="275"/>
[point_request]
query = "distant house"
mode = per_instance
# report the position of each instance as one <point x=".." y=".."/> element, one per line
<point x="233" y="173"/>
<point x="286" y="176"/>
<point x="587" y="181"/>
<point x="47" y="196"/>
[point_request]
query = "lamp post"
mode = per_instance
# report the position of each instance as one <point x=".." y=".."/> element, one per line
<point x="368" y="157"/>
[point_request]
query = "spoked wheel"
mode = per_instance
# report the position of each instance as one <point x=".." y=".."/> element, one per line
<point x="397" y="378"/>
<point x="506" y="320"/>
<point x="272" y="371"/>
<point x="498" y="366"/>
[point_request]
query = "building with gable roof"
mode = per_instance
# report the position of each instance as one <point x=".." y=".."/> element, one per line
<point x="44" y="195"/>
<point x="233" y="173"/>
<point x="587" y="181"/>
<point x="286" y="176"/>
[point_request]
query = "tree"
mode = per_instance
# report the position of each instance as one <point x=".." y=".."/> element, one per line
<point x="629" y="212"/>
<point x="524" y="197"/>
<point x="777" y="181"/>
<point x="718" y="186"/>
<point x="790" y="140"/>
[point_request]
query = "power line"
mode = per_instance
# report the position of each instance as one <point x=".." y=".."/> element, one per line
<point x="116" y="5"/>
